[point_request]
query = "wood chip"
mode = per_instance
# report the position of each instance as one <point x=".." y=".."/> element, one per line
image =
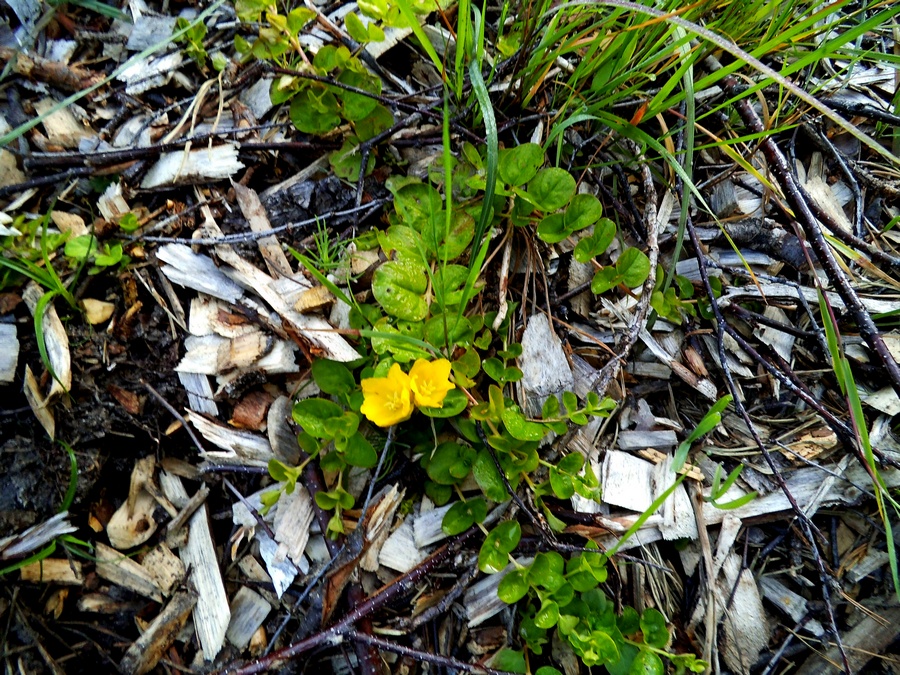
<point x="9" y="352"/>
<point x="53" y="571"/>
<point x="248" y="611"/>
<point x="143" y="655"/>
<point x="545" y="368"/>
<point x="124" y="571"/>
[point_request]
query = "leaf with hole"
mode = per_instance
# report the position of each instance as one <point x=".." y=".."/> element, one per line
<point x="400" y="288"/>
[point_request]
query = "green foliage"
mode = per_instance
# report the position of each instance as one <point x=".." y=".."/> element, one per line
<point x="192" y="39"/>
<point x="709" y="422"/>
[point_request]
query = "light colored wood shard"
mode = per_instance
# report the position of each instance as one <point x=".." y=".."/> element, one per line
<point x="21" y="544"/>
<point x="293" y="518"/>
<point x="123" y="571"/>
<point x="280" y="294"/>
<point x="133" y="523"/>
<point x="545" y="369"/>
<point x="658" y="457"/>
<point x="400" y="552"/>
<point x="211" y="613"/>
<point x="194" y="166"/>
<point x="314" y="299"/>
<point x="112" y="204"/>
<point x="252" y="569"/>
<point x="200" y="393"/>
<point x="248" y="611"/>
<point x="481" y="601"/>
<point x="627" y="481"/>
<point x="148" y="30"/>
<point x="55" y="340"/>
<point x="198" y="272"/>
<point x="255" y="213"/>
<point x="427" y="526"/>
<point x="874" y="560"/>
<point x="746" y="631"/>
<point x="638" y="440"/>
<point x="165" y="568"/>
<point x="869" y="638"/>
<point x="282" y="438"/>
<point x="678" y="520"/>
<point x="9" y="352"/>
<point x="215" y="355"/>
<point x="240" y="447"/>
<point x="143" y="655"/>
<point x="378" y="524"/>
<point x="61" y="126"/>
<point x="174" y="530"/>
<point x="97" y="311"/>
<point x="53" y="571"/>
<point x="665" y="356"/>
<point x="790" y="603"/>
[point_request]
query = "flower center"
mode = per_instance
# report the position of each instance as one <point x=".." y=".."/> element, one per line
<point x="393" y="402"/>
<point x="426" y="388"/>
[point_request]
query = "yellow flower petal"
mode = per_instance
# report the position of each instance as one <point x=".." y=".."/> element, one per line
<point x="387" y="400"/>
<point x="430" y="382"/>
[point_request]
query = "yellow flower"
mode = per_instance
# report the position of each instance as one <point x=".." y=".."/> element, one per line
<point x="387" y="400"/>
<point x="430" y="382"/>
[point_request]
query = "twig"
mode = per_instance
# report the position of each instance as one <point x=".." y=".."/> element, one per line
<point x="176" y="414"/>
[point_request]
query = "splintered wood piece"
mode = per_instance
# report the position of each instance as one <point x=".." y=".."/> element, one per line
<point x="132" y="524"/>
<point x="240" y="447"/>
<point x="55" y="340"/>
<point x="701" y="384"/>
<point x="174" y="535"/>
<point x="746" y="631"/>
<point x="198" y="272"/>
<point x="97" y="311"/>
<point x="545" y="369"/>
<point x="165" y="568"/>
<point x="627" y="481"/>
<point x="9" y="352"/>
<point x="790" y="603"/>
<point x="248" y="611"/>
<point x="145" y="652"/>
<point x="378" y="527"/>
<point x="200" y="393"/>
<point x="38" y="404"/>
<point x="211" y="613"/>
<point x="481" y="601"/>
<point x="282" y="438"/>
<point x="61" y="126"/>
<point x="313" y="299"/>
<point x="658" y="457"/>
<point x="36" y="536"/>
<point x="195" y="166"/>
<point x="293" y="517"/>
<point x="427" y="528"/>
<point x="678" y="521"/>
<point x="255" y="213"/>
<point x="250" y="412"/>
<point x="123" y="571"/>
<point x="53" y="571"/>
<point x="638" y="440"/>
<point x="869" y="638"/>
<point x="280" y="294"/>
<point x="400" y="552"/>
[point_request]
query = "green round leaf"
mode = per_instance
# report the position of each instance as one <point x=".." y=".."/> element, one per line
<point x="521" y="428"/>
<point x="552" y="228"/>
<point x="513" y="586"/>
<point x="548" y="615"/>
<point x="488" y="478"/>
<point x="399" y="288"/>
<point x="378" y="120"/>
<point x="314" y="114"/>
<point x="653" y="626"/>
<point x="312" y="414"/>
<point x="450" y="463"/>
<point x="509" y="660"/>
<point x="547" y="670"/>
<point x="633" y="267"/>
<point x="551" y="189"/>
<point x="520" y="164"/>
<point x="454" y="403"/>
<point x="583" y="211"/>
<point x="359" y="452"/>
<point x="547" y="571"/>
<point x="594" y="245"/>
<point x="462" y="515"/>
<point x="332" y="377"/>
<point x="357" y="106"/>
<point x="646" y="663"/>
<point x="604" y="280"/>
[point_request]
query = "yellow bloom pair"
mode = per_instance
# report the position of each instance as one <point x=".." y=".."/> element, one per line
<point x="389" y="400"/>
